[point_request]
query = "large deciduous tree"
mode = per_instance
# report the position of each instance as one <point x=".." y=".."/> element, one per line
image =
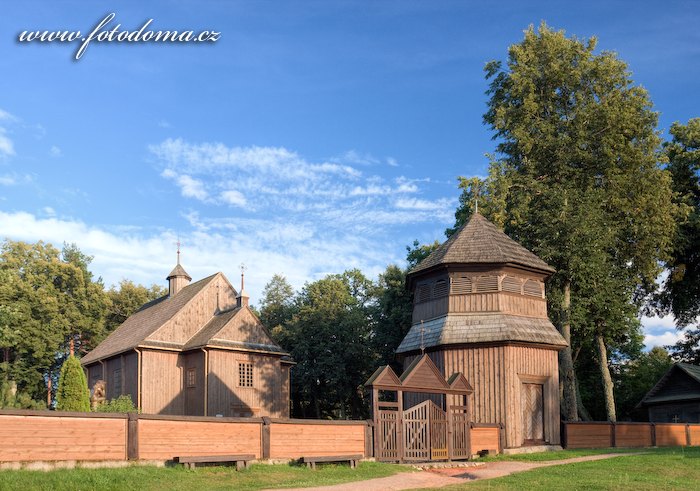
<point x="578" y="153"/>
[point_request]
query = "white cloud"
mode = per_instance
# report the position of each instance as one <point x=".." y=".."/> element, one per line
<point x="5" y="116"/>
<point x="233" y="197"/>
<point x="189" y="187"/>
<point x="7" y="180"/>
<point x="55" y="151"/>
<point x="657" y="322"/>
<point x="663" y="339"/>
<point x="441" y="204"/>
<point x="7" y="147"/>
<point x="294" y="249"/>
<point x="164" y="124"/>
<point x="390" y="161"/>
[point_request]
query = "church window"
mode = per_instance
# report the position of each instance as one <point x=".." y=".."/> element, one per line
<point x="461" y="285"/>
<point x="533" y="287"/>
<point x="441" y="288"/>
<point x="245" y="374"/>
<point x="487" y="284"/>
<point x="511" y="284"/>
<point x="423" y="293"/>
<point x="191" y="377"/>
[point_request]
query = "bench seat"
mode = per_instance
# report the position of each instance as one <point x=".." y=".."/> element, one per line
<point x="241" y="461"/>
<point x="351" y="459"/>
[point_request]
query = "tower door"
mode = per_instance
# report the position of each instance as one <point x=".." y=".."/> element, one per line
<point x="533" y="414"/>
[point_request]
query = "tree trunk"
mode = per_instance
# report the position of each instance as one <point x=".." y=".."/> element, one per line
<point x="607" y="380"/>
<point x="582" y="411"/>
<point x="566" y="364"/>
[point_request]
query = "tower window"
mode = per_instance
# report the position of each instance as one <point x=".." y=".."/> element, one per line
<point x="461" y="285"/>
<point x="441" y="289"/>
<point x="533" y="287"/>
<point x="191" y="377"/>
<point x="423" y="293"/>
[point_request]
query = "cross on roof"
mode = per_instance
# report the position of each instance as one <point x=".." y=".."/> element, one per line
<point x="243" y="268"/>
<point x="178" y="249"/>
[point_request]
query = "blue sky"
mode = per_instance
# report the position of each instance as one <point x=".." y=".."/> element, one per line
<point x="312" y="137"/>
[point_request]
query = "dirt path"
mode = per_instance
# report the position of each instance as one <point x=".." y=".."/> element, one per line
<point x="436" y="478"/>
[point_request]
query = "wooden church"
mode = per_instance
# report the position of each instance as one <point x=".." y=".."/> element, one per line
<point x="480" y="309"/>
<point x="199" y="350"/>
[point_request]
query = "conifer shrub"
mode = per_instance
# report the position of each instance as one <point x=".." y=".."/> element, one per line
<point x="122" y="404"/>
<point x="73" y="393"/>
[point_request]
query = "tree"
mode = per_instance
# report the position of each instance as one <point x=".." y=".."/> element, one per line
<point x="687" y="349"/>
<point x="329" y="339"/>
<point x="577" y="153"/>
<point x="126" y="300"/>
<point x="277" y="303"/>
<point x="73" y="393"/>
<point x="681" y="292"/>
<point x="393" y="313"/>
<point x="417" y="252"/>
<point x="634" y="379"/>
<point x="47" y="298"/>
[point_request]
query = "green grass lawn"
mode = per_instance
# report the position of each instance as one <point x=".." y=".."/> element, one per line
<point x="258" y="476"/>
<point x="562" y="455"/>
<point x="665" y="468"/>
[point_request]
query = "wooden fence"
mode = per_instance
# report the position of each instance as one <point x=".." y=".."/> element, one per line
<point x="606" y="434"/>
<point x="61" y="436"/>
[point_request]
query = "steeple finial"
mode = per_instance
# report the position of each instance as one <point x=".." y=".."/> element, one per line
<point x="476" y="198"/>
<point x="243" y="269"/>
<point x="242" y="298"/>
<point x="178" y="249"/>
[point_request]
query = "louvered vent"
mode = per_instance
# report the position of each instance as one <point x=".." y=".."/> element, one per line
<point x="423" y="293"/>
<point x="461" y="285"/>
<point x="533" y="287"/>
<point x="511" y="284"/>
<point x="440" y="289"/>
<point x="486" y="284"/>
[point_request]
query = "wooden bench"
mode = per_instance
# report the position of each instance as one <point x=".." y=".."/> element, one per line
<point x="241" y="461"/>
<point x="351" y="459"/>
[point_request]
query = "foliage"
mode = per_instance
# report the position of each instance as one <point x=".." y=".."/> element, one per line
<point x="681" y="293"/>
<point x="577" y="154"/>
<point x="258" y="476"/>
<point x="687" y="349"/>
<point x="277" y="303"/>
<point x="417" y="252"/>
<point x="73" y="393"/>
<point x="10" y="398"/>
<point x="392" y="314"/>
<point x="634" y="379"/>
<point x="329" y="339"/>
<point x="122" y="404"/>
<point x="127" y="299"/>
<point x="47" y="299"/>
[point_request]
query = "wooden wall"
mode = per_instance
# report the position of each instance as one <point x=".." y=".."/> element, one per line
<point x="198" y="312"/>
<point x="59" y="436"/>
<point x="485" y="438"/>
<point x="32" y="435"/>
<point x="162" y="382"/>
<point x="605" y="434"/>
<point x="164" y="439"/>
<point x="194" y="396"/>
<point x="266" y="396"/>
<point x="292" y="439"/>
<point x="496" y="373"/>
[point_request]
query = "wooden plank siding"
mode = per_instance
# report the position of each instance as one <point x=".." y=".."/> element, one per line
<point x="633" y="435"/>
<point x="161" y="382"/>
<point x="197" y="313"/>
<point x="588" y="435"/>
<point x="670" y="435"/>
<point x="51" y="438"/>
<point x="290" y="440"/>
<point x="497" y="373"/>
<point x="227" y="398"/>
<point x="164" y="439"/>
<point x="485" y="438"/>
<point x="505" y="302"/>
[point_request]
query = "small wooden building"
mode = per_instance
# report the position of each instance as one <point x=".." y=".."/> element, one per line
<point x="676" y="397"/>
<point x="479" y="308"/>
<point x="199" y="350"/>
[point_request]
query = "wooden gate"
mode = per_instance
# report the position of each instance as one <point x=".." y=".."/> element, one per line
<point x="533" y="414"/>
<point x="425" y="431"/>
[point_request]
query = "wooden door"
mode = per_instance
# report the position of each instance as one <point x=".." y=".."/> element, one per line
<point x="533" y="414"/>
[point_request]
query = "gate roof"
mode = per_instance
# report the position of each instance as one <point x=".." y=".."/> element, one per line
<point x="421" y="376"/>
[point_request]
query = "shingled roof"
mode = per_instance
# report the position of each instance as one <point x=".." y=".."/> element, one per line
<point x="461" y="328"/>
<point x="659" y="393"/>
<point x="480" y="241"/>
<point x="145" y="322"/>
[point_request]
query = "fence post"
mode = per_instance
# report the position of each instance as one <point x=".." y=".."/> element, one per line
<point x="563" y="435"/>
<point x="132" y="437"/>
<point x="653" y="434"/>
<point x="266" y="422"/>
<point x="687" y="434"/>
<point x="369" y="439"/>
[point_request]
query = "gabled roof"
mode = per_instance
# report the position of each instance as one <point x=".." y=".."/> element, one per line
<point x="468" y="328"/>
<point x="459" y="381"/>
<point x="423" y="373"/>
<point x="145" y="322"/>
<point x="658" y="393"/>
<point x="383" y="376"/>
<point x="481" y="242"/>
